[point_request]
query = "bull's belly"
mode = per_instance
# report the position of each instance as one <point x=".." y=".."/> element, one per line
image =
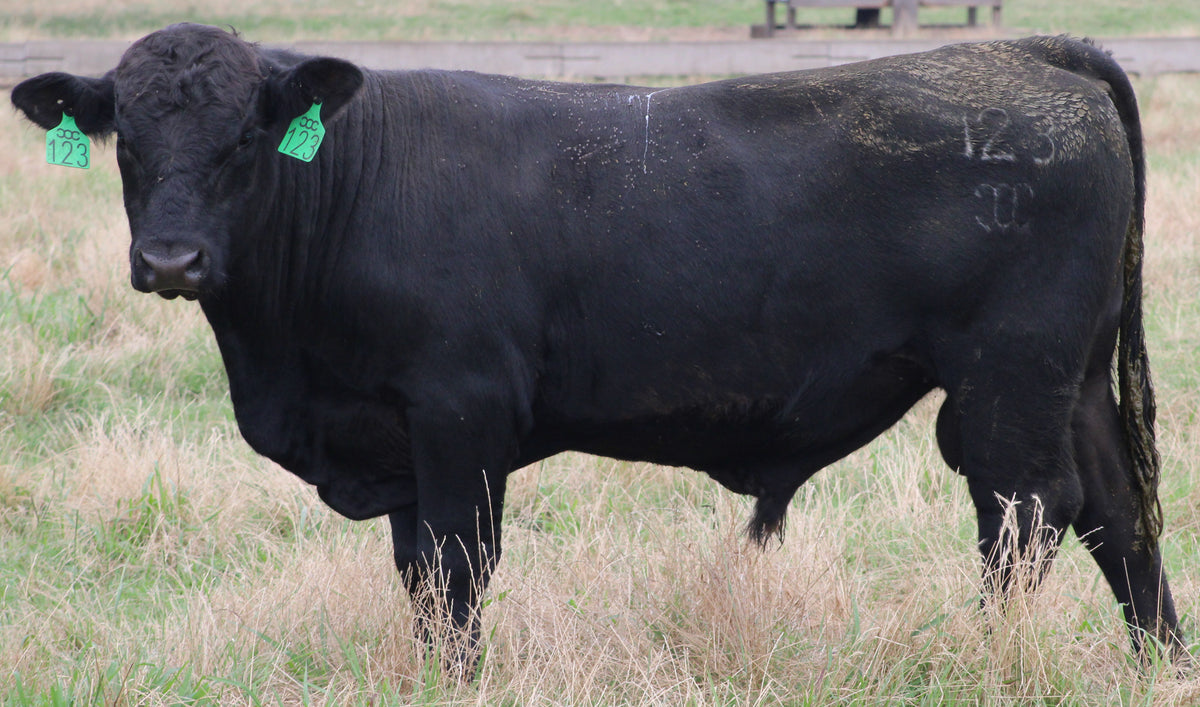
<point x="743" y="442"/>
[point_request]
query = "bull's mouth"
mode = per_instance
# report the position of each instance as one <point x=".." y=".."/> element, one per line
<point x="189" y="295"/>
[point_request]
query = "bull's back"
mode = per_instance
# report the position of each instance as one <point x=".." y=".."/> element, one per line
<point x="915" y="182"/>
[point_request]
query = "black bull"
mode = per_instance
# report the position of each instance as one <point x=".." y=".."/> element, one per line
<point x="751" y="277"/>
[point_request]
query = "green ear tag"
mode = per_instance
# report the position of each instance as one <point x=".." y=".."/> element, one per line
<point x="304" y="135"/>
<point x="67" y="146"/>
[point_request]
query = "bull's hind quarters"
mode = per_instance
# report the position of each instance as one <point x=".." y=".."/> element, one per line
<point x="751" y="277"/>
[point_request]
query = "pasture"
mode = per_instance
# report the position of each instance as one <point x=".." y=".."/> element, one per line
<point x="147" y="556"/>
<point x="544" y="20"/>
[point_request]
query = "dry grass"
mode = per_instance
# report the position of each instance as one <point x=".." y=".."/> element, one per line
<point x="147" y="557"/>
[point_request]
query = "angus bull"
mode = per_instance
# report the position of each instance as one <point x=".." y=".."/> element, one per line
<point x="751" y="277"/>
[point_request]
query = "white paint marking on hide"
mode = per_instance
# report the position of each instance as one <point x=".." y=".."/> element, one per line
<point x="1046" y="148"/>
<point x="1009" y="203"/>
<point x="992" y="127"/>
<point x="646" y="146"/>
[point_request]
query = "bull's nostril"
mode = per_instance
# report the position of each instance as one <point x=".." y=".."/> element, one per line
<point x="184" y="272"/>
<point x="198" y="267"/>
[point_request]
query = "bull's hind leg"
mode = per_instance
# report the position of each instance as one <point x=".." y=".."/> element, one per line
<point x="1109" y="525"/>
<point x="1009" y="428"/>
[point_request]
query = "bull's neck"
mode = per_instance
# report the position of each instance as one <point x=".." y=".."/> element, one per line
<point x="308" y="219"/>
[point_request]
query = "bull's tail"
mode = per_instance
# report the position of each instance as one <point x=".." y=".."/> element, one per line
<point x="1137" y="409"/>
<point x="1136" y="389"/>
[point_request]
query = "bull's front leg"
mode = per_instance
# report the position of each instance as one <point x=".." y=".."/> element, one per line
<point x="448" y="543"/>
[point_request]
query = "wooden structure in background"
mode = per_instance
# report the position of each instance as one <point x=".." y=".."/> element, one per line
<point x="904" y="12"/>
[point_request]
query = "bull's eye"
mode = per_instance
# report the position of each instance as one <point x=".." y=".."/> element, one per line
<point x="246" y="139"/>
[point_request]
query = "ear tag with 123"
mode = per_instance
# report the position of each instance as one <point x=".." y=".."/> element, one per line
<point x="304" y="135"/>
<point x="67" y="146"/>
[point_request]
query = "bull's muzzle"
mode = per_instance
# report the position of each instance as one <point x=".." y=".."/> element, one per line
<point x="170" y="275"/>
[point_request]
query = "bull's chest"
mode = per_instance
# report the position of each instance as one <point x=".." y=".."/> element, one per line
<point x="299" y="411"/>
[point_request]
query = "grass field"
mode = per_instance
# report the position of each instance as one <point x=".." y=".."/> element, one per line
<point x="148" y="557"/>
<point x="285" y="20"/>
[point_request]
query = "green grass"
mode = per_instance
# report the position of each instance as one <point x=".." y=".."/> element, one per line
<point x="279" y="20"/>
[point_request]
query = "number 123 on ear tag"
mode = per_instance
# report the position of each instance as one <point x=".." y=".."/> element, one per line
<point x="67" y="146"/>
<point x="304" y="135"/>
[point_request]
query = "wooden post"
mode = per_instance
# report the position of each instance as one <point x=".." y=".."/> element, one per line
<point x="904" y="17"/>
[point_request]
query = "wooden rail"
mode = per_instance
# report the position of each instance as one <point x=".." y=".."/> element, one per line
<point x="904" y="12"/>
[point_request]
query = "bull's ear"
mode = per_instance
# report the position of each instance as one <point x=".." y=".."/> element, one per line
<point x="43" y="99"/>
<point x="325" y="80"/>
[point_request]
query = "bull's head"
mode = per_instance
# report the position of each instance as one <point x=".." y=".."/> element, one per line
<point x="198" y="114"/>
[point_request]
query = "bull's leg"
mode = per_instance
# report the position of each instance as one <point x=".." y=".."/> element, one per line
<point x="448" y="544"/>
<point x="1108" y="523"/>
<point x="1011" y="426"/>
<point x="416" y="575"/>
<point x="404" y="542"/>
<point x="444" y="587"/>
